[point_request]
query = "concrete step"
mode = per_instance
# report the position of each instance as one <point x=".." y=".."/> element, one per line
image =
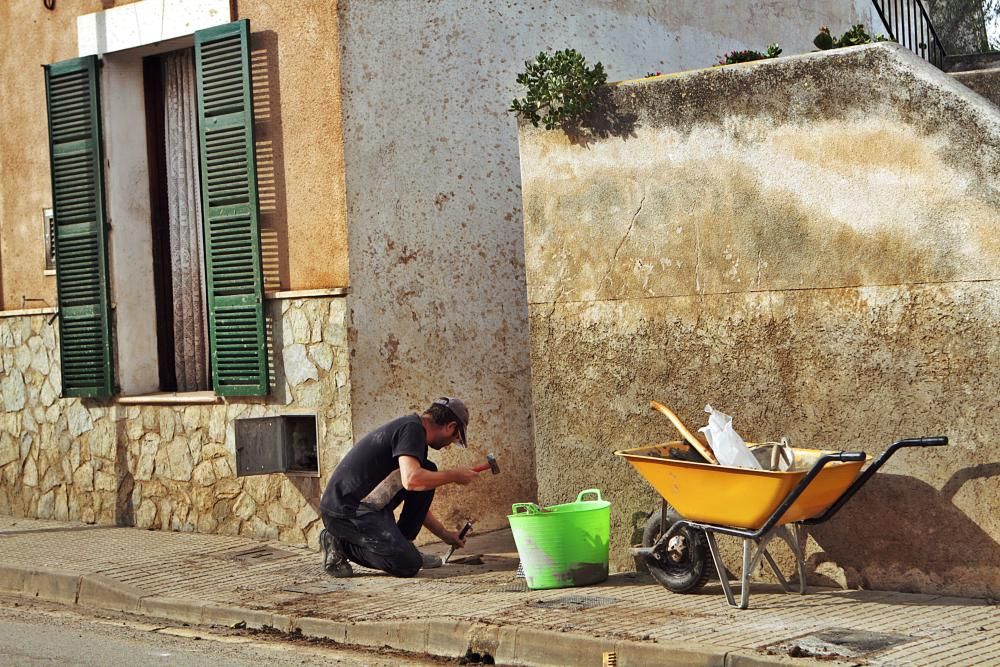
<point x="972" y="62"/>
<point x="986" y="82"/>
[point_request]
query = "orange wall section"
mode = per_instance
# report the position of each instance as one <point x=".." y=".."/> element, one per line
<point x="299" y="131"/>
<point x="37" y="36"/>
<point x="296" y="64"/>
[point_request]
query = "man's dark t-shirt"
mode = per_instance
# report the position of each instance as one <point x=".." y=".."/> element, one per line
<point x="370" y="471"/>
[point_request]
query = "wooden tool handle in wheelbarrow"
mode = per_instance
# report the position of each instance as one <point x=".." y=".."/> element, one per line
<point x="702" y="448"/>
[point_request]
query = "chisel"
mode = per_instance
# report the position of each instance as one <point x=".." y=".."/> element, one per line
<point x="461" y="535"/>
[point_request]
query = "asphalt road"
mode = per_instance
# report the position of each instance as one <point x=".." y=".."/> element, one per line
<point x="39" y="633"/>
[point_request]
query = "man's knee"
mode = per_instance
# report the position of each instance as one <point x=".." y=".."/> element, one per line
<point x="407" y="564"/>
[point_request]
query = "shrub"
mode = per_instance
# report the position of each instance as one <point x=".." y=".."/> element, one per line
<point x="749" y="55"/>
<point x="560" y="89"/>
<point x="853" y="37"/>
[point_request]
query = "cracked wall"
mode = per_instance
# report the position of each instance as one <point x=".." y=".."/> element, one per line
<point x="800" y="244"/>
<point x="437" y="248"/>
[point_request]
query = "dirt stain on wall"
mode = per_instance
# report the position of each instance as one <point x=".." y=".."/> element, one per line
<point x="823" y="270"/>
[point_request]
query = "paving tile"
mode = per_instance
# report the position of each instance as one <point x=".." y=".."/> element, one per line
<point x="174" y="567"/>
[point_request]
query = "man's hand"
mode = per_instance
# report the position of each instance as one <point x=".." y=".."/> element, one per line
<point x="463" y="476"/>
<point x="452" y="539"/>
<point x="433" y="524"/>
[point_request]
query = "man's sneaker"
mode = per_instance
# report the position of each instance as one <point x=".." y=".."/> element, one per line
<point x="431" y="561"/>
<point x="334" y="561"/>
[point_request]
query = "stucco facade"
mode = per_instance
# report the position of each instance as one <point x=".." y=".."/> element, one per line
<point x="433" y="194"/>
<point x="799" y="245"/>
<point x="298" y="132"/>
<point x="395" y="269"/>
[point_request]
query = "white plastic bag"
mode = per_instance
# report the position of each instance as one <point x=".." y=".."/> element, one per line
<point x="726" y="444"/>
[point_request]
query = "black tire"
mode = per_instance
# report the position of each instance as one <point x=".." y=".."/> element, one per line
<point x="679" y="574"/>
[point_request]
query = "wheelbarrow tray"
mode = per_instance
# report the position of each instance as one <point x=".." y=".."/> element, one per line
<point x="740" y="497"/>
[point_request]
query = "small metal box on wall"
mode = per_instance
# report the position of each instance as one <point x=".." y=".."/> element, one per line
<point x="283" y="443"/>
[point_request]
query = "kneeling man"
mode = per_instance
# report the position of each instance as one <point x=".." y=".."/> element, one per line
<point x="384" y="469"/>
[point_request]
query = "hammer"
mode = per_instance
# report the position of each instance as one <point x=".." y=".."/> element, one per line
<point x="491" y="464"/>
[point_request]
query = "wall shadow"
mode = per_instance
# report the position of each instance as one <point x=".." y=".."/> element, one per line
<point x="310" y="487"/>
<point x="125" y="508"/>
<point x="270" y="159"/>
<point x="898" y="523"/>
<point x="275" y="341"/>
<point x="606" y="119"/>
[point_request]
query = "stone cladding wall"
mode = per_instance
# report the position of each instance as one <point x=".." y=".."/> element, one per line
<point x="170" y="467"/>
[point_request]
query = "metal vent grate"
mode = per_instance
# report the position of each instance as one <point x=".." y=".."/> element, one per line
<point x="255" y="554"/>
<point x="574" y="602"/>
<point x="837" y="643"/>
<point x="284" y="443"/>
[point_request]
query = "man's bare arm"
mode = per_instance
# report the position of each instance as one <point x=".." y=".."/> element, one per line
<point x="433" y="524"/>
<point x="417" y="478"/>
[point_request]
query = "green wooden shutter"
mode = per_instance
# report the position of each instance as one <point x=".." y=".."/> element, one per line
<point x="230" y="210"/>
<point x="76" y="157"/>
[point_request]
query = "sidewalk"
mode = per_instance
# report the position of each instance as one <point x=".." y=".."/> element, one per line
<point x="217" y="580"/>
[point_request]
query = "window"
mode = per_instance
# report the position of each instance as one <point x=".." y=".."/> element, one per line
<point x="229" y="207"/>
<point x="176" y="221"/>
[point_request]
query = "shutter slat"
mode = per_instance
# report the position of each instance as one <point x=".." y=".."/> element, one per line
<point x="231" y="210"/>
<point x="76" y="159"/>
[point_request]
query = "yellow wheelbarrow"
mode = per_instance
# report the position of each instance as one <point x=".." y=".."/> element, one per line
<point x="701" y="498"/>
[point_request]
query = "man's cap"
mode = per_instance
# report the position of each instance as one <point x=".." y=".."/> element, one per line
<point x="456" y="407"/>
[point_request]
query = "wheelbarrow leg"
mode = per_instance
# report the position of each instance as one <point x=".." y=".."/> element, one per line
<point x="798" y="547"/>
<point x="724" y="580"/>
<point x="791" y="538"/>
<point x="753" y="552"/>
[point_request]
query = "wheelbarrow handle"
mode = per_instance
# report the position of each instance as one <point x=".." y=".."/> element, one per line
<point x="849" y="457"/>
<point x="930" y="441"/>
<point x="933" y="441"/>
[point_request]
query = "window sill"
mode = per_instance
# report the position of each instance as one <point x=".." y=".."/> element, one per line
<point x="28" y="312"/>
<point x="302" y="473"/>
<point x="172" y="398"/>
<point x="307" y="293"/>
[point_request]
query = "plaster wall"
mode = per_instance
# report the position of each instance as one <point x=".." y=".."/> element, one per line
<point x="984" y="82"/>
<point x="801" y="245"/>
<point x="295" y="63"/>
<point x="437" y="247"/>
<point x="24" y="155"/>
<point x="960" y="24"/>
<point x="300" y="160"/>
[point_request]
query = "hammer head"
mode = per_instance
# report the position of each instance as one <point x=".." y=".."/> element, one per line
<point x="494" y="466"/>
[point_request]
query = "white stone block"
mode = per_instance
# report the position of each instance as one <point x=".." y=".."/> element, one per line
<point x="298" y="367"/>
<point x="147" y="22"/>
<point x="13" y="390"/>
<point x="79" y="419"/>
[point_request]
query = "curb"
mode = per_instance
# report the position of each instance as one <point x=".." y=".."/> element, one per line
<point x="506" y="644"/>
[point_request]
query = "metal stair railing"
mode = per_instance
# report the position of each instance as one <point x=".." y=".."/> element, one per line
<point x="909" y="24"/>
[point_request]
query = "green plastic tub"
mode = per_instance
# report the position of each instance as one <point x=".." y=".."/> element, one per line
<point x="563" y="545"/>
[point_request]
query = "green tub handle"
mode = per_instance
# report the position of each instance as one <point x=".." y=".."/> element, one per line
<point x="528" y="508"/>
<point x="596" y="492"/>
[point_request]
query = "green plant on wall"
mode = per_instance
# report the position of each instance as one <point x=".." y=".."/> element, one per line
<point x="853" y="37"/>
<point x="749" y="55"/>
<point x="560" y="89"/>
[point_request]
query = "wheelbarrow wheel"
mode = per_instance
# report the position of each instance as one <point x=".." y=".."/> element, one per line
<point x="684" y="563"/>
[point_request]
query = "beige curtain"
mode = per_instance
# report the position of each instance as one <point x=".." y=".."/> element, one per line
<point x="184" y="199"/>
